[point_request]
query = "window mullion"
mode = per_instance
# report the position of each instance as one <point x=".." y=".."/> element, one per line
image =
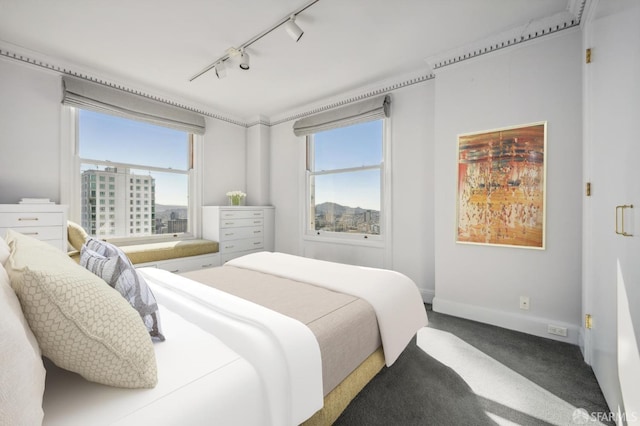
<point x="132" y="166"/>
<point x="347" y="170"/>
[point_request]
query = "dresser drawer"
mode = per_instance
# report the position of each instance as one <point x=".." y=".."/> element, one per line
<point x="240" y="214"/>
<point x="229" y="234"/>
<point x="20" y="219"/>
<point x="237" y="223"/>
<point x="242" y="245"/>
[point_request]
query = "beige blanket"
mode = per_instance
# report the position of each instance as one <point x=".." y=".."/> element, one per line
<point x="345" y="326"/>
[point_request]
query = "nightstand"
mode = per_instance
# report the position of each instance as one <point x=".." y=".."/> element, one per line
<point x="46" y="222"/>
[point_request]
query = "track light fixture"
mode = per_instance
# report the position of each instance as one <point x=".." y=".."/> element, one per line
<point x="290" y="26"/>
<point x="293" y="29"/>
<point x="244" y="60"/>
<point x="221" y="70"/>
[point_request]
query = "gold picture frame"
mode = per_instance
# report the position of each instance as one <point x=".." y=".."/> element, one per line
<point x="501" y="192"/>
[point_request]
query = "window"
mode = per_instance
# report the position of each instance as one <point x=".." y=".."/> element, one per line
<point x="345" y="180"/>
<point x="123" y="151"/>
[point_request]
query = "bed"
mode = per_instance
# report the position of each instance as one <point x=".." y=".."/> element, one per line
<point x="239" y="347"/>
<point x="361" y="318"/>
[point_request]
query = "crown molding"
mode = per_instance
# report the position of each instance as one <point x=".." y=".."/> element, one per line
<point x="577" y="8"/>
<point x="260" y="120"/>
<point x="365" y="95"/>
<point x="531" y="31"/>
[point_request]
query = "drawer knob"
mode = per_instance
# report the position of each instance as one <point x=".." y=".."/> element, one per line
<point x="228" y="247"/>
<point x="229" y="223"/>
<point x="257" y="243"/>
<point x="257" y="232"/>
<point x="228" y="234"/>
<point x="27" y="218"/>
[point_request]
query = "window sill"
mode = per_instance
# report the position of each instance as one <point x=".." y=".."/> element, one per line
<point x="129" y="241"/>
<point x="371" y="241"/>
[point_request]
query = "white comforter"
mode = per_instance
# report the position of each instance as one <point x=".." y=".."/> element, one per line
<point x="284" y="351"/>
<point x="394" y="297"/>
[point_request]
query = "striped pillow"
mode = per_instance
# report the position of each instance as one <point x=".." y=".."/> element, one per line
<point x="113" y="266"/>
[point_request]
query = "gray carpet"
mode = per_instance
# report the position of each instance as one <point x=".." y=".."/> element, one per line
<point x="478" y="374"/>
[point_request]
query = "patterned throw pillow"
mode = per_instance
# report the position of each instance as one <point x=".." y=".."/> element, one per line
<point x="112" y="265"/>
<point x="81" y="324"/>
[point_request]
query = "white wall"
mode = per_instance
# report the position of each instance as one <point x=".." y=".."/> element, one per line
<point x="538" y="81"/>
<point x="287" y="164"/>
<point x="224" y="161"/>
<point x="412" y="250"/>
<point x="30" y="120"/>
<point x="258" y="163"/>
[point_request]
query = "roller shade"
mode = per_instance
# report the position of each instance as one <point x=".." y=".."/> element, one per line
<point x="98" y="97"/>
<point x="358" y="112"/>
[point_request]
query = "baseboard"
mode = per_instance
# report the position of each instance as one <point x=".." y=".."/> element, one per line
<point x="427" y="295"/>
<point x="523" y="323"/>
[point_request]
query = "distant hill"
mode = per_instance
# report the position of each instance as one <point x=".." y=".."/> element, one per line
<point x="338" y="209"/>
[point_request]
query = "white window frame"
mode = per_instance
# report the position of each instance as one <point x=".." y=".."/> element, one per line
<point x="369" y="240"/>
<point x="70" y="181"/>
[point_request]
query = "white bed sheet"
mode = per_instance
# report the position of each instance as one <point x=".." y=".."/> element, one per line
<point x="200" y="381"/>
<point x="284" y="351"/>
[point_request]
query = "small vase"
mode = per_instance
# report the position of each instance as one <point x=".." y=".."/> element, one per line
<point x="236" y="201"/>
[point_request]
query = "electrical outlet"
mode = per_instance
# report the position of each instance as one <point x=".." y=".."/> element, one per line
<point x="557" y="330"/>
<point x="524" y="302"/>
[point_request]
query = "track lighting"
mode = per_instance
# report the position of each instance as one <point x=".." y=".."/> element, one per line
<point x="289" y="23"/>
<point x="244" y="60"/>
<point x="221" y="70"/>
<point x="293" y="29"/>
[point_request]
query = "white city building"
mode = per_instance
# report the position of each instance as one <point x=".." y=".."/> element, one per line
<point x="117" y="203"/>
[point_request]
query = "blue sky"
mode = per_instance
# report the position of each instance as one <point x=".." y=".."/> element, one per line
<point x="348" y="147"/>
<point x="106" y="137"/>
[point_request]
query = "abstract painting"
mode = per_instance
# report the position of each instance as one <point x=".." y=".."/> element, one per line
<point x="501" y="186"/>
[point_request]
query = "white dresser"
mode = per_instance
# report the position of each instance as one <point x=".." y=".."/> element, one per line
<point x="46" y="222"/>
<point x="239" y="230"/>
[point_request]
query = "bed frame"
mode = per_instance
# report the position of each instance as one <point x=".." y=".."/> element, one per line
<point x="339" y="398"/>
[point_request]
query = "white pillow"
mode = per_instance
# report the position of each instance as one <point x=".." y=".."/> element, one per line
<point x="4" y="251"/>
<point x="81" y="323"/>
<point x="22" y="373"/>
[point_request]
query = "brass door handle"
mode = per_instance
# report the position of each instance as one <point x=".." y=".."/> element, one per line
<point x="622" y="231"/>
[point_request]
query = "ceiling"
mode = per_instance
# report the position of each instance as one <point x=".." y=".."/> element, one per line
<point x="157" y="45"/>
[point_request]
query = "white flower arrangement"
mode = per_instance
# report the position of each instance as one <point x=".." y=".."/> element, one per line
<point x="236" y="197"/>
